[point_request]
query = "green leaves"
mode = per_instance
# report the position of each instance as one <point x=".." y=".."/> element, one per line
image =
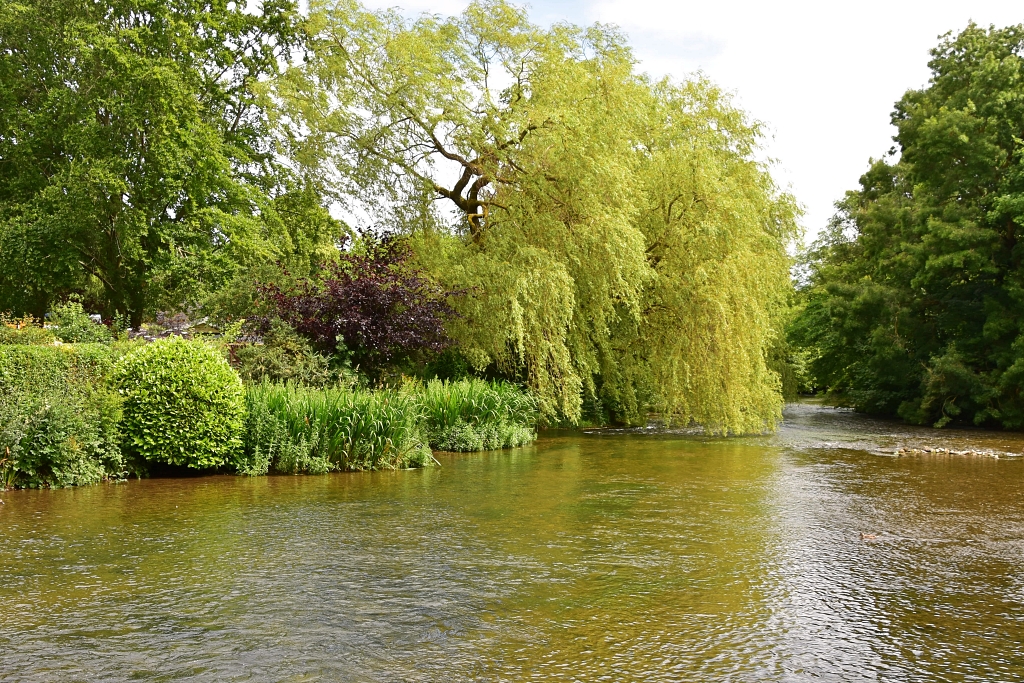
<point x="606" y="227"/>
<point x="474" y="415"/>
<point x="59" y="418"/>
<point x="136" y="154"/>
<point x="916" y="305"/>
<point x="617" y="237"/>
<point x="293" y="429"/>
<point x="183" y="404"/>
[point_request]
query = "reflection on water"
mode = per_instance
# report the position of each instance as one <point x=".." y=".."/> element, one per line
<point x="614" y="556"/>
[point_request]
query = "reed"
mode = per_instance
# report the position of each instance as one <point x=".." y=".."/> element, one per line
<point x="473" y="414"/>
<point x="297" y="429"/>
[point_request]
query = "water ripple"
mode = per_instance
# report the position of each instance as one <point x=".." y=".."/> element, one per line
<point x="668" y="557"/>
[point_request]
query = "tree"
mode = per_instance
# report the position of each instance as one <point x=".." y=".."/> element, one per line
<point x="915" y="304"/>
<point x="137" y="161"/>
<point x="715" y="233"/>
<point x="615" y="236"/>
<point x="370" y="304"/>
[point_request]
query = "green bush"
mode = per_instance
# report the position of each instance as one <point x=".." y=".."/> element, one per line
<point x="294" y="429"/>
<point x="58" y="416"/>
<point x="24" y="330"/>
<point x="183" y="404"/>
<point x="475" y="415"/>
<point x="465" y="437"/>
<point x="71" y="324"/>
<point x="283" y="356"/>
<point x="61" y="418"/>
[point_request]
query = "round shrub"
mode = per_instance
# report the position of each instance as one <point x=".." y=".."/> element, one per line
<point x="183" y="404"/>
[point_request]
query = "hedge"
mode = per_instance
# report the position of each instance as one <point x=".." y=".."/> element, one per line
<point x="59" y="416"/>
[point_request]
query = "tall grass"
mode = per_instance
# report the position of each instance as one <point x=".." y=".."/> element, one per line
<point x="297" y="429"/>
<point x="474" y="415"/>
<point x="293" y="429"/>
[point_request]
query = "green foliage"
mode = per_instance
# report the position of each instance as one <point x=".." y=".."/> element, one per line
<point x="474" y="415"/>
<point x="24" y="330"/>
<point x="449" y="364"/>
<point x="139" y="155"/>
<point x="617" y="241"/>
<point x="183" y="404"/>
<point x="58" y="416"/>
<point x="293" y="429"/>
<point x="916" y="301"/>
<point x="616" y="236"/>
<point x="177" y="402"/>
<point x="284" y="356"/>
<point x="73" y="325"/>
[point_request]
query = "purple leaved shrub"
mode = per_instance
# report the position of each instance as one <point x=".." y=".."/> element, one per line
<point x="371" y="304"/>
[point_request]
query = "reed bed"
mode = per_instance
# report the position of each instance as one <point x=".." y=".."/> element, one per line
<point x="295" y="429"/>
<point x="475" y="415"/>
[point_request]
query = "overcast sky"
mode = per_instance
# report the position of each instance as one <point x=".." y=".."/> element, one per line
<point x="823" y="76"/>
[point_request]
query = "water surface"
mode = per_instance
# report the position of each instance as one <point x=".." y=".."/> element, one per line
<point x="603" y="556"/>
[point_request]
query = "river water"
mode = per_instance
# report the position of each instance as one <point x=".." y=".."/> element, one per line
<point x="621" y="556"/>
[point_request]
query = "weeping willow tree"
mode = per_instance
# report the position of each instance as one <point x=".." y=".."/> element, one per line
<point x="715" y="229"/>
<point x="615" y="236"/>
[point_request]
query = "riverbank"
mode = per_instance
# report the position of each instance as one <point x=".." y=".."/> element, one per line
<point x="74" y="414"/>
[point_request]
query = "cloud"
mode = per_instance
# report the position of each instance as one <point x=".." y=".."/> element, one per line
<point x="415" y="7"/>
<point x="823" y="76"/>
<point x="694" y="47"/>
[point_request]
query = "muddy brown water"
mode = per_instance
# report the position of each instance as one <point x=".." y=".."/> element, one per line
<point x="621" y="556"/>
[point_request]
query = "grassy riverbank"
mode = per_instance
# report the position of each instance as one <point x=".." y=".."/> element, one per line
<point x="294" y="429"/>
<point x="74" y="414"/>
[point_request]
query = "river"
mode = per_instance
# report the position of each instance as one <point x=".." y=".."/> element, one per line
<point x="811" y="554"/>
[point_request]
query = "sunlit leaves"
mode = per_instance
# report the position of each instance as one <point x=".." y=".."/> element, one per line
<point x="615" y="236"/>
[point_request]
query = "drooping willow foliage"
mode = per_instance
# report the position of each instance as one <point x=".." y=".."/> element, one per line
<point x="618" y="242"/>
<point x="715" y="229"/>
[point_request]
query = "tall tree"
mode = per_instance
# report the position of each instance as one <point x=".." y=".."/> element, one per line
<point x="916" y="305"/>
<point x="135" y="157"/>
<point x="565" y="192"/>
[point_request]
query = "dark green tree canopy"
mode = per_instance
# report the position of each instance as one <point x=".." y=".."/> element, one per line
<point x="135" y="152"/>
<point x="916" y="304"/>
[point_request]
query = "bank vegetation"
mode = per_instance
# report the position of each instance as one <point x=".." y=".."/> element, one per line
<point x="913" y="304"/>
<point x="357" y="197"/>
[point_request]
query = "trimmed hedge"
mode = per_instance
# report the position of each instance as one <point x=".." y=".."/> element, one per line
<point x="58" y="416"/>
<point x="183" y="404"/>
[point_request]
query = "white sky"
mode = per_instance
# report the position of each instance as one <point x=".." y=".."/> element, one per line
<point x="823" y="76"/>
